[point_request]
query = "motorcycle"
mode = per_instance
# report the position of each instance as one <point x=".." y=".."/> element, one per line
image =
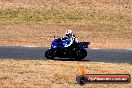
<point x="75" y="52"/>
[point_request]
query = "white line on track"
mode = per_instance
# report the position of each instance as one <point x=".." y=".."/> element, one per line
<point x="29" y="46"/>
<point x="95" y="48"/>
<point x="129" y="49"/>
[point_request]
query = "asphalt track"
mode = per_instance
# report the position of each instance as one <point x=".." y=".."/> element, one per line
<point x="94" y="55"/>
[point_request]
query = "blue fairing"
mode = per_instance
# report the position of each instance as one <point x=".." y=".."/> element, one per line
<point x="84" y="44"/>
<point x="57" y="44"/>
<point x="62" y="43"/>
<point x="54" y="43"/>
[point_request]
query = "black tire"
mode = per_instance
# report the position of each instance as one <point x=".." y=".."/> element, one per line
<point x="81" y="80"/>
<point x="84" y="53"/>
<point x="49" y="54"/>
<point x="80" y="54"/>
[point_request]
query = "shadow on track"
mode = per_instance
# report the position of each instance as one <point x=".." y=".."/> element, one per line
<point x="64" y="59"/>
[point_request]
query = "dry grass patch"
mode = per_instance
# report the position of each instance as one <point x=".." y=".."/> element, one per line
<point x="101" y="35"/>
<point x="105" y="23"/>
<point x="55" y="74"/>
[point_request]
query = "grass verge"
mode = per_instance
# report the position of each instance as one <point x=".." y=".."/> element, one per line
<point x="22" y="27"/>
<point x="55" y="74"/>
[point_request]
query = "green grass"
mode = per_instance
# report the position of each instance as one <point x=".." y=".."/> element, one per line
<point x="24" y="15"/>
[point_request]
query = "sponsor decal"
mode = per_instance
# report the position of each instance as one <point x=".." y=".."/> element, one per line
<point x="83" y="78"/>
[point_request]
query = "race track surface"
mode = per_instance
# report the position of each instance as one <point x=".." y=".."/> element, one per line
<point x="94" y="55"/>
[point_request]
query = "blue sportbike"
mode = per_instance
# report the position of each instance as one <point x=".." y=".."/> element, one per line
<point x="74" y="52"/>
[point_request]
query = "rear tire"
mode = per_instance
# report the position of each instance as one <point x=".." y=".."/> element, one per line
<point x="49" y="54"/>
<point x="80" y="54"/>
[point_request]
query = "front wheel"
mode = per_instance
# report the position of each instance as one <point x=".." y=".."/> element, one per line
<point x="49" y="54"/>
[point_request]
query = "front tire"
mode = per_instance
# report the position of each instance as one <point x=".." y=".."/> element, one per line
<point x="49" y="54"/>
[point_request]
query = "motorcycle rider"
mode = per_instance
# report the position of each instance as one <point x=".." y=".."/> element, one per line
<point x="71" y="38"/>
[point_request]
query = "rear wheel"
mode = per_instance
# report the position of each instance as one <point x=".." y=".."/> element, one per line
<point x="49" y="54"/>
<point x="80" y="54"/>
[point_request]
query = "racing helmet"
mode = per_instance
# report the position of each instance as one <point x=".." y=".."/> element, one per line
<point x="69" y="33"/>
